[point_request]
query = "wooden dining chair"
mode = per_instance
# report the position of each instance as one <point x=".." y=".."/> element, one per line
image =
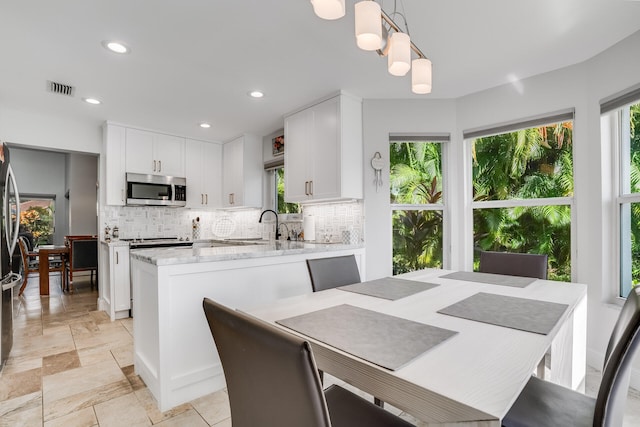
<point x="327" y="273"/>
<point x="272" y="378"/>
<point x="31" y="264"/>
<point x="543" y="404"/>
<point x="514" y="264"/>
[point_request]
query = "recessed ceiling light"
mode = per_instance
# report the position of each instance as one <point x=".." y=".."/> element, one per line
<point x="92" y="101"/>
<point x="205" y="125"/>
<point x="116" y="47"/>
<point x="256" y="94"/>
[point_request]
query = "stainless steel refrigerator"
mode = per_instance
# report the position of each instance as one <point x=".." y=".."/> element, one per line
<point x="9" y="227"/>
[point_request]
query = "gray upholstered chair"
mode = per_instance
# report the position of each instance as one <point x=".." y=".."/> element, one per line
<point x="327" y="273"/>
<point x="272" y="378"/>
<point x="543" y="404"/>
<point x="514" y="264"/>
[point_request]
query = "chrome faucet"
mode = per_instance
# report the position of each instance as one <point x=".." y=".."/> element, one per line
<point x="276" y="214"/>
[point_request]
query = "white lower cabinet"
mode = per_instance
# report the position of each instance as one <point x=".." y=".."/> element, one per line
<point x="115" y="281"/>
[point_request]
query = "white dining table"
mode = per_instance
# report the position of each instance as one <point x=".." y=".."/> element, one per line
<point x="472" y="378"/>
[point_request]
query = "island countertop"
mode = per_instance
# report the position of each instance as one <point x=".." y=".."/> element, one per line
<point x="181" y="255"/>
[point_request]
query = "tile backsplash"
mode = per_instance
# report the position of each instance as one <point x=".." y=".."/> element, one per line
<point x="154" y="222"/>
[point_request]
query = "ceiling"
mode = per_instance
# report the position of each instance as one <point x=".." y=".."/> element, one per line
<point x="194" y="61"/>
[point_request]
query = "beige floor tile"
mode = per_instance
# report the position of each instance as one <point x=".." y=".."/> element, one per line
<point x="60" y="362"/>
<point x="28" y="417"/>
<point x="124" y="410"/>
<point x="39" y="346"/>
<point x="149" y="404"/>
<point x="93" y="355"/>
<point x="84" y="327"/>
<point x="108" y="339"/>
<point x="123" y="355"/>
<point x="20" y="364"/>
<point x="190" y="418"/>
<point x="128" y="324"/>
<point x="83" y="418"/>
<point x="80" y="380"/>
<point x="67" y="405"/>
<point x="213" y="407"/>
<point x="20" y="383"/>
<point x="135" y="380"/>
<point x="26" y="402"/>
<point x="224" y="423"/>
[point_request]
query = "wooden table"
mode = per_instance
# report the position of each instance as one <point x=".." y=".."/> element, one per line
<point x="473" y="378"/>
<point x="44" y="252"/>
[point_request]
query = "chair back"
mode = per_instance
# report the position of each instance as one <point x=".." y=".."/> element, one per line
<point x="327" y="273"/>
<point x="623" y="346"/>
<point x="83" y="254"/>
<point x="22" y="244"/>
<point x="514" y="264"/>
<point x="271" y="375"/>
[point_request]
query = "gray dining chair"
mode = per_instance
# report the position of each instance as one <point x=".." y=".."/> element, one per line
<point x="327" y="273"/>
<point x="514" y="264"/>
<point x="543" y="404"/>
<point x="272" y="379"/>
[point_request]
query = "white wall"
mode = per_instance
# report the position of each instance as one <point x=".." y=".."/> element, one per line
<point x="581" y="86"/>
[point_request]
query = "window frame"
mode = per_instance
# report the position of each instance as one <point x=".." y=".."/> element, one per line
<point x="436" y="138"/>
<point x="469" y="136"/>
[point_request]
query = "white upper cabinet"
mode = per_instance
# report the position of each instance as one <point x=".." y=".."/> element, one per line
<point x="114" y="176"/>
<point x="204" y="174"/>
<point x="154" y="153"/>
<point x="242" y="172"/>
<point x="323" y="151"/>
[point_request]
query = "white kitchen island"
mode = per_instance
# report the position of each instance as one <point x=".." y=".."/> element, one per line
<point x="174" y="352"/>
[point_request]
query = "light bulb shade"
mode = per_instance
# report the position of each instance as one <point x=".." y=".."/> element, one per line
<point x="421" y="76"/>
<point x="368" y="25"/>
<point x="399" y="54"/>
<point x="328" y="9"/>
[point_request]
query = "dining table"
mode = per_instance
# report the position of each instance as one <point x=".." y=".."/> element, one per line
<point x="44" y="254"/>
<point x="449" y="348"/>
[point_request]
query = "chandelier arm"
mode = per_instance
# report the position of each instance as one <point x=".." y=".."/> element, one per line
<point x="395" y="27"/>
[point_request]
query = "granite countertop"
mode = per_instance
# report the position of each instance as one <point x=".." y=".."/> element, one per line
<point x="173" y="256"/>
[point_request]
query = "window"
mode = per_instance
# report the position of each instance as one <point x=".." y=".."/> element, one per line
<point x="417" y="202"/>
<point x="37" y="215"/>
<point x="522" y="180"/>
<point x="282" y="207"/>
<point x="627" y="120"/>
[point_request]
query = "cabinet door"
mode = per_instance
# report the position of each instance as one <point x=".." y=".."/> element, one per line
<point x="297" y="174"/>
<point x="120" y="277"/>
<point x="211" y="174"/>
<point x="139" y="152"/>
<point x="114" y="178"/>
<point x="232" y="173"/>
<point x="326" y="150"/>
<point x="194" y="173"/>
<point x="168" y="152"/>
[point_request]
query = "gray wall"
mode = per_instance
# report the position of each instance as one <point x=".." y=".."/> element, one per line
<point x="82" y="176"/>
<point x="43" y="173"/>
<point x="51" y="173"/>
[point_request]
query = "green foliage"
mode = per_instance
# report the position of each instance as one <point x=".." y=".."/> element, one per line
<point x="284" y="207"/>
<point x="634" y="170"/>
<point x="38" y="220"/>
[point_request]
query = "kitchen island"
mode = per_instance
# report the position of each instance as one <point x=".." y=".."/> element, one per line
<point x="174" y="352"/>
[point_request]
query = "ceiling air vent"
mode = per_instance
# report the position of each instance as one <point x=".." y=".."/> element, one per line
<point x="60" y="88"/>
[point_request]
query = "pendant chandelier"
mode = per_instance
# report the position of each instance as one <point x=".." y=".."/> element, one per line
<point x="375" y="30"/>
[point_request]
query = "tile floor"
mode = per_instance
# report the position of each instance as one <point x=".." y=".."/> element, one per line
<point x="71" y="366"/>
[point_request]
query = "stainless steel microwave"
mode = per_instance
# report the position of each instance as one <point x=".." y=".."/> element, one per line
<point x="156" y="190"/>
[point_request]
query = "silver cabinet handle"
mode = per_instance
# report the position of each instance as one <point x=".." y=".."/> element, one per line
<point x="306" y="188"/>
<point x="117" y="258"/>
<point x="201" y="199"/>
<point x="154" y="165"/>
<point x="122" y="194"/>
<point x="311" y="188"/>
<point x="159" y="165"/>
<point x="206" y="197"/>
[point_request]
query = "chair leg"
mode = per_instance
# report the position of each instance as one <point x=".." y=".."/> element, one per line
<point x="24" y="282"/>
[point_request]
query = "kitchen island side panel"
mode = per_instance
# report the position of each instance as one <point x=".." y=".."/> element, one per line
<point x="186" y="361"/>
